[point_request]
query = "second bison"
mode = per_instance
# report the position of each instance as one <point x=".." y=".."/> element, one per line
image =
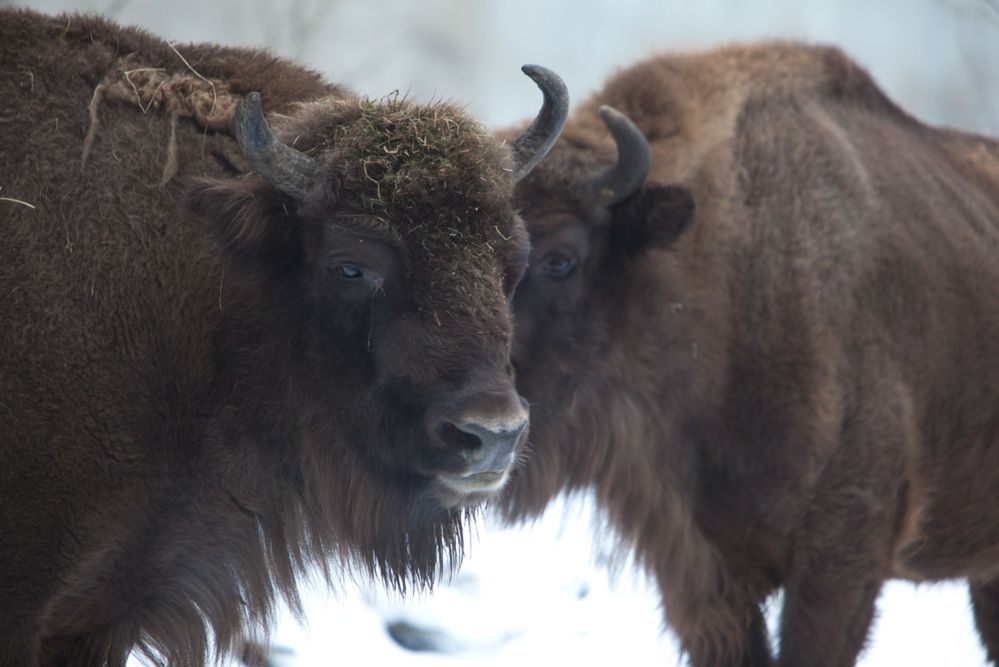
<point x="766" y="329"/>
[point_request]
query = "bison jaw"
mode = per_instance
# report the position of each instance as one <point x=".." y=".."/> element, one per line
<point x="476" y="483"/>
<point x="454" y="490"/>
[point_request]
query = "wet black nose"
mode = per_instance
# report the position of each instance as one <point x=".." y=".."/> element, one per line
<point x="487" y="446"/>
<point x="494" y="448"/>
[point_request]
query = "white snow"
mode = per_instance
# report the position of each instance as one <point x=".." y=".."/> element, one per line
<point x="545" y="594"/>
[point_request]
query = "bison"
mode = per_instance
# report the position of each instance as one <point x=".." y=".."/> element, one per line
<point x="229" y="353"/>
<point x="761" y="320"/>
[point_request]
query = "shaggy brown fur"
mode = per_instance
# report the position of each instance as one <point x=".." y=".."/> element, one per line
<point x="184" y="429"/>
<point x="795" y="386"/>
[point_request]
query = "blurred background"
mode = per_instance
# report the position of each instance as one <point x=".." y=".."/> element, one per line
<point x="551" y="592"/>
<point x="935" y="57"/>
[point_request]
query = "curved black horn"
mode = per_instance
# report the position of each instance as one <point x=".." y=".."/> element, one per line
<point x="288" y="170"/>
<point x="634" y="159"/>
<point x="539" y="137"/>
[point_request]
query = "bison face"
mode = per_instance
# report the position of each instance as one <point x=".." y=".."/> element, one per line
<point x="413" y="334"/>
<point x="385" y="249"/>
<point x="590" y="224"/>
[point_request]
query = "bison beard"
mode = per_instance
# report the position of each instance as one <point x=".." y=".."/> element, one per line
<point x="795" y="386"/>
<point x="307" y="367"/>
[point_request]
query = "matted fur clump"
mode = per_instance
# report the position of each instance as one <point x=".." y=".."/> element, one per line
<point x="210" y="104"/>
<point x="388" y="155"/>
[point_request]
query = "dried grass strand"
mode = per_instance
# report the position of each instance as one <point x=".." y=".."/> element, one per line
<point x="180" y="94"/>
<point x="215" y="95"/>
<point x="170" y="166"/>
<point x="197" y="74"/>
<point x="17" y="201"/>
<point x="95" y="120"/>
<point x="138" y="97"/>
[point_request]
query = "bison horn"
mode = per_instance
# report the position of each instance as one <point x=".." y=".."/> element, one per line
<point x="539" y="137"/>
<point x="634" y="159"/>
<point x="290" y="171"/>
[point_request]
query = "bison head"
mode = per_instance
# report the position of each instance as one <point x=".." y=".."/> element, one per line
<point x="383" y="240"/>
<point x="590" y="290"/>
<point x="588" y="217"/>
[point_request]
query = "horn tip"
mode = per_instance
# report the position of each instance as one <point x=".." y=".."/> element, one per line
<point x="548" y="80"/>
<point x="536" y="72"/>
<point x="634" y="158"/>
<point x="619" y="122"/>
<point x="608" y="112"/>
<point x="249" y="105"/>
<point x="249" y="125"/>
<point x="539" y="137"/>
<point x="252" y="100"/>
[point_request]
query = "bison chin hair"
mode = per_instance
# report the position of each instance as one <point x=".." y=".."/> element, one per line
<point x="363" y="517"/>
<point x="345" y="517"/>
<point x="259" y="542"/>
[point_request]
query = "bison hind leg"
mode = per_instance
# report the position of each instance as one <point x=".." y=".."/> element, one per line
<point x="985" y="603"/>
<point x="755" y="650"/>
<point x="826" y="618"/>
<point x="730" y="635"/>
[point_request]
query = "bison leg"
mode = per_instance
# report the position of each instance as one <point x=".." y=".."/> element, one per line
<point x="985" y="602"/>
<point x="715" y="629"/>
<point x="826" y="617"/>
<point x="758" y="642"/>
<point x="715" y="610"/>
<point x="752" y="649"/>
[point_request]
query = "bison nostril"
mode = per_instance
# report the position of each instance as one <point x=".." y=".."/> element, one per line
<point x="487" y="448"/>
<point x="454" y="436"/>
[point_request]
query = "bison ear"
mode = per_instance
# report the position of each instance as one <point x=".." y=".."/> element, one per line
<point x="654" y="217"/>
<point x="249" y="220"/>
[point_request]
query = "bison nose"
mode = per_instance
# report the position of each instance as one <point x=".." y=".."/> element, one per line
<point x="489" y="447"/>
<point x="475" y="442"/>
<point x="485" y="432"/>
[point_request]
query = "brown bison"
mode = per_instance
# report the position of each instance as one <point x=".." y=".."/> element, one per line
<point x="310" y="365"/>
<point x="796" y="385"/>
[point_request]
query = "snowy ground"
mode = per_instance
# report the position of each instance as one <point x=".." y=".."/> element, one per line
<point x="533" y="594"/>
<point x="543" y="594"/>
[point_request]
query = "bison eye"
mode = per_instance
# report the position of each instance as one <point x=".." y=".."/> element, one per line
<point x="558" y="265"/>
<point x="349" y="271"/>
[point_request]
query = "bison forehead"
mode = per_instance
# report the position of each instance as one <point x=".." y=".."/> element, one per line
<point x="401" y="162"/>
<point x="440" y="181"/>
<point x="436" y="180"/>
<point x="464" y="283"/>
<point x="564" y="180"/>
